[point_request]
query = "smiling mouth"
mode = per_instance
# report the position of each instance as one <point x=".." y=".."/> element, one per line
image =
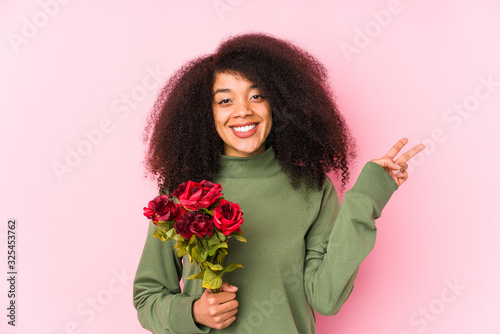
<point x="243" y="129"/>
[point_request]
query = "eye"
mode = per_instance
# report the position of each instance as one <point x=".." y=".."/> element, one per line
<point x="257" y="96"/>
<point x="224" y="101"/>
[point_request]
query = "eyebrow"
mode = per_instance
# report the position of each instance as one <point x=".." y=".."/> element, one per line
<point x="227" y="90"/>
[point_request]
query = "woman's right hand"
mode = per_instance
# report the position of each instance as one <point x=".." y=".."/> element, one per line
<point x="216" y="310"/>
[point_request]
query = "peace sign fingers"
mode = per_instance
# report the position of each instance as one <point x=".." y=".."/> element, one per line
<point x="410" y="154"/>
<point x="396" y="148"/>
<point x="407" y="155"/>
<point x="397" y="169"/>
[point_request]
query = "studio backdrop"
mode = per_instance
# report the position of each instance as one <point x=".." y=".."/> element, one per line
<point x="77" y="79"/>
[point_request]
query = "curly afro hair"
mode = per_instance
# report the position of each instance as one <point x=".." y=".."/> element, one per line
<point x="309" y="135"/>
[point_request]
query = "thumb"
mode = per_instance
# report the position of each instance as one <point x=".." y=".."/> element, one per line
<point x="394" y="165"/>
<point x="228" y="287"/>
<point x="206" y="293"/>
<point x="387" y="162"/>
<point x="390" y="164"/>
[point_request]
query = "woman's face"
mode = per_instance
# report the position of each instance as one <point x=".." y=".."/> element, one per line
<point x="242" y="115"/>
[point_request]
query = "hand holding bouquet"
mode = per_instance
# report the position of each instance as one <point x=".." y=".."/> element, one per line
<point x="201" y="221"/>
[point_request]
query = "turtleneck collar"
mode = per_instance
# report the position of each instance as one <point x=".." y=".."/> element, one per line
<point x="257" y="166"/>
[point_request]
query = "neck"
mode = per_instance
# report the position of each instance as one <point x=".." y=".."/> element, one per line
<point x="256" y="166"/>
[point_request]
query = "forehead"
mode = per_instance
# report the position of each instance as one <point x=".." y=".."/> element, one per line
<point x="227" y="81"/>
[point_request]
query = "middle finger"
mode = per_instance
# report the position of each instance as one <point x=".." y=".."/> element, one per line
<point x="410" y="154"/>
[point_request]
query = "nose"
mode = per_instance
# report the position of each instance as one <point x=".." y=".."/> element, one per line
<point x="242" y="108"/>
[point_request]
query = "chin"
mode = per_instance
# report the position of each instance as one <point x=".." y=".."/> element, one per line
<point x="247" y="150"/>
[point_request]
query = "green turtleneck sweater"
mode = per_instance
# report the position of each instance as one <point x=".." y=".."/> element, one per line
<point x="303" y="252"/>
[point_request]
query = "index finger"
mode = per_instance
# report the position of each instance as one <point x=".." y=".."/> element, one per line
<point x="396" y="148"/>
<point x="411" y="153"/>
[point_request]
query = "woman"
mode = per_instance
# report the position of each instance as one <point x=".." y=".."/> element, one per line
<point x="258" y="117"/>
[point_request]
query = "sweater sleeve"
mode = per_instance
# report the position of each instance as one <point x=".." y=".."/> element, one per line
<point x="161" y="307"/>
<point x="342" y="237"/>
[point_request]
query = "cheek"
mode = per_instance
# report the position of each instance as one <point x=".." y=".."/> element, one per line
<point x="269" y="120"/>
<point x="218" y="122"/>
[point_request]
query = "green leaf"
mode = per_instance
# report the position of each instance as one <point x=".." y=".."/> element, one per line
<point x="214" y="249"/>
<point x="240" y="238"/>
<point x="212" y="266"/>
<point x="181" y="251"/>
<point x="171" y="232"/>
<point x="204" y="244"/>
<point x="167" y="225"/>
<point x="207" y="211"/>
<point x="214" y="240"/>
<point x="161" y="234"/>
<point x="231" y="267"/>
<point x="189" y="251"/>
<point x="181" y="243"/>
<point x="193" y="239"/>
<point x="199" y="254"/>
<point x="220" y="235"/>
<point x="197" y="276"/>
<point x="220" y="256"/>
<point x="178" y="237"/>
<point x="211" y="280"/>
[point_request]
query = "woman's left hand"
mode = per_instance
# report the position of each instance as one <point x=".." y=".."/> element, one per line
<point x="397" y="169"/>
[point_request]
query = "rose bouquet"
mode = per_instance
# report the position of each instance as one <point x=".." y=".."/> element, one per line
<point x="201" y="221"/>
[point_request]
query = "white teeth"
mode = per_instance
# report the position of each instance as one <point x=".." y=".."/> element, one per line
<point x="244" y="128"/>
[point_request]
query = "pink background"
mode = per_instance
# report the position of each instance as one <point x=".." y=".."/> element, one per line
<point x="406" y="68"/>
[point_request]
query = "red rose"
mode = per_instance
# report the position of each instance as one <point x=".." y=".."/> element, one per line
<point x="194" y="195"/>
<point x="194" y="222"/>
<point x="182" y="226"/>
<point x="202" y="225"/>
<point x="228" y="217"/>
<point x="149" y="213"/>
<point x="163" y="209"/>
